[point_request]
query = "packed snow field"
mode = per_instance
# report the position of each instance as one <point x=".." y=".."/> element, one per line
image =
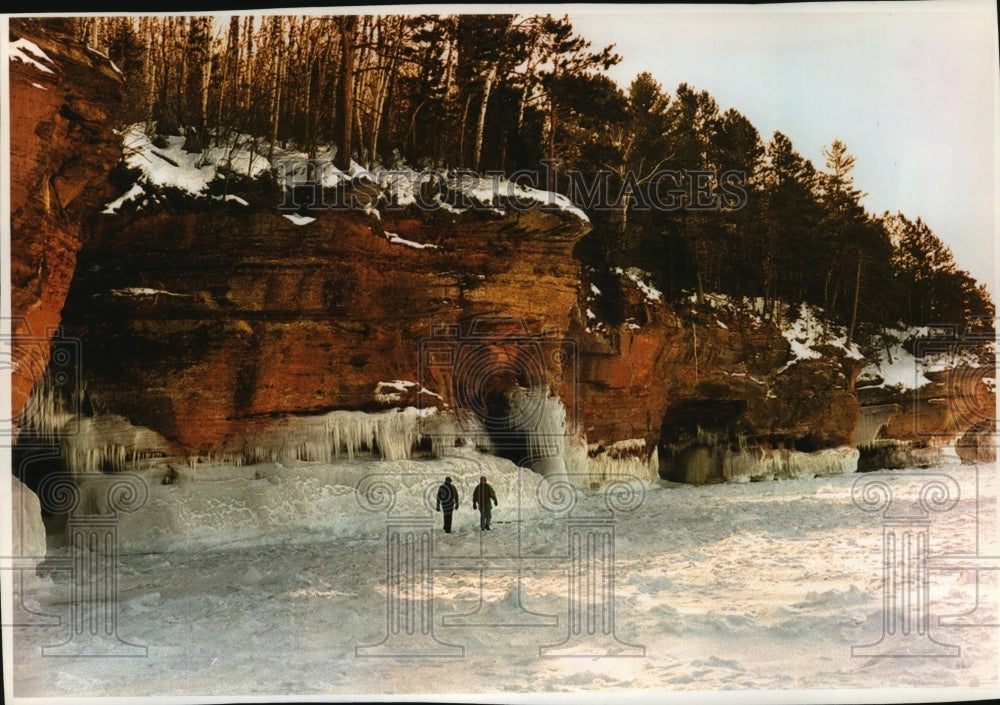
<point x="294" y="580"/>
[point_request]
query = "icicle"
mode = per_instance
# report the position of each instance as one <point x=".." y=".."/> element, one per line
<point x="542" y="419"/>
<point x="873" y="419"/>
<point x="46" y="412"/>
<point x="628" y="459"/>
<point x="390" y="434"/>
<point x="747" y="465"/>
<point x="110" y="444"/>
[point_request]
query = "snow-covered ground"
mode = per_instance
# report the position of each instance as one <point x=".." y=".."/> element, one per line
<point x="292" y="580"/>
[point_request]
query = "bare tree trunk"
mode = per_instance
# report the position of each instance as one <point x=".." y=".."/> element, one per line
<point x="94" y="34"/>
<point x="149" y="74"/>
<point x="372" y="70"/>
<point x="325" y="61"/>
<point x="477" y="143"/>
<point x="551" y="171"/>
<point x="411" y="133"/>
<point x="854" y="308"/>
<point x="380" y="109"/>
<point x="461" y="131"/>
<point x="358" y="134"/>
<point x="307" y="136"/>
<point x="229" y="57"/>
<point x="183" y="49"/>
<point x="243" y="67"/>
<point x="345" y="110"/>
<point x="450" y="62"/>
<point x="277" y="31"/>
<point x="88" y="31"/>
<point x="206" y="75"/>
<point x="164" y="121"/>
<point x="551" y="150"/>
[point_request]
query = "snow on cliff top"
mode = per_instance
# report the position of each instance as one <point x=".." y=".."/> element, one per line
<point x="896" y="366"/>
<point x="403" y="186"/>
<point x="31" y="54"/>
<point x="639" y="277"/>
<point x="805" y="327"/>
<point x="169" y="166"/>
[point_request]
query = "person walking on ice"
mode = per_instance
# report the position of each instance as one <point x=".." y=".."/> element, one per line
<point x="481" y="497"/>
<point x="447" y="502"/>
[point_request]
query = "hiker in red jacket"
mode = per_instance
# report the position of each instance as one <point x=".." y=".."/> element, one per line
<point x="481" y="497"/>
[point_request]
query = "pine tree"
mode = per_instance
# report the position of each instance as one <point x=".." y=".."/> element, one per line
<point x="639" y="151"/>
<point x="787" y="250"/>
<point x="571" y="62"/>
<point x="846" y="228"/>
<point x="932" y="289"/>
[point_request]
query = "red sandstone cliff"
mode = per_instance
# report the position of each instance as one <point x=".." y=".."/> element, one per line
<point x="693" y="374"/>
<point x="957" y="405"/>
<point x="62" y="106"/>
<point x="207" y="326"/>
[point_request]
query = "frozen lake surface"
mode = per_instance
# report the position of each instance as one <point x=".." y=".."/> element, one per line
<point x="287" y="581"/>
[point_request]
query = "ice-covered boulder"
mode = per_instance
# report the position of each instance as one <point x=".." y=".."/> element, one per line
<point x="28" y="529"/>
<point x="978" y="444"/>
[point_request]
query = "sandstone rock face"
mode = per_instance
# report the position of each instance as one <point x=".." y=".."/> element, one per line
<point x="954" y="401"/>
<point x="213" y="326"/>
<point x="717" y="381"/>
<point x="62" y="108"/>
<point x="208" y="326"/>
<point x="957" y="407"/>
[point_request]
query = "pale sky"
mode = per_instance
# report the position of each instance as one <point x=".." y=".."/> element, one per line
<point x="910" y="88"/>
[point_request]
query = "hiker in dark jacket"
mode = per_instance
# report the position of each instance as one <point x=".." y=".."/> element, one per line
<point x="481" y="497"/>
<point x="447" y="502"/>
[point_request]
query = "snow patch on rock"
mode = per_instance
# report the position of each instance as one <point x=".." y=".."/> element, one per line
<point x="27" y="51"/>
<point x="808" y="331"/>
